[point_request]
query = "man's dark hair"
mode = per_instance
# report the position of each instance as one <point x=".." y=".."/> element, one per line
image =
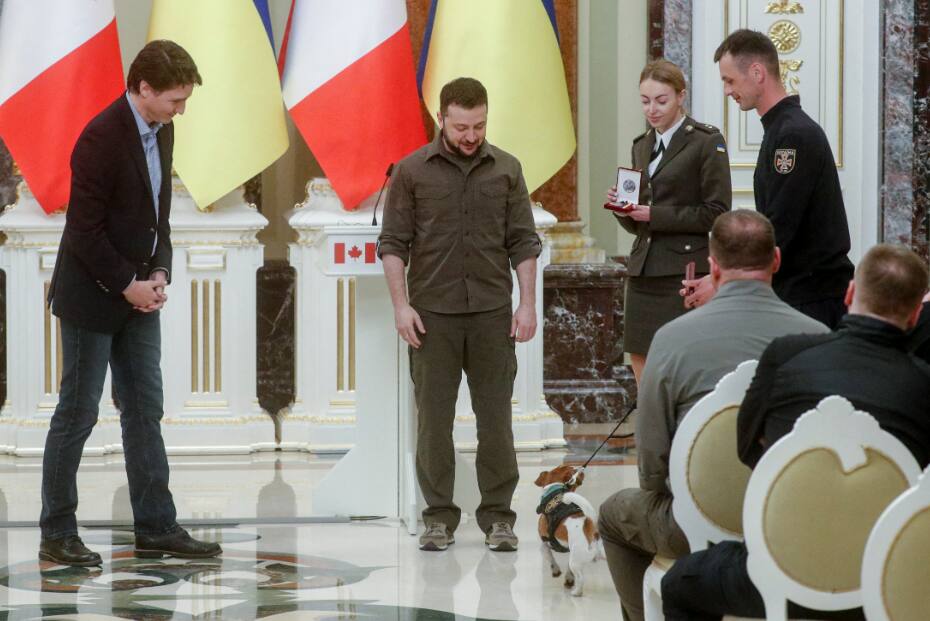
<point x="747" y="46"/>
<point x="742" y="240"/>
<point x="163" y="65"/>
<point x="890" y="281"/>
<point x="467" y="93"/>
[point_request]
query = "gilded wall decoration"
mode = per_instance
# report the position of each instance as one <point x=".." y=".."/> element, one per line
<point x="784" y="7"/>
<point x="786" y="35"/>
<point x="791" y="82"/>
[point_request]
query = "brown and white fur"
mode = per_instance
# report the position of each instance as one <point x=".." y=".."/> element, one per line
<point x="578" y="534"/>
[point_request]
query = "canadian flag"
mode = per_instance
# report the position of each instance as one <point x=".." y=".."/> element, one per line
<point x="59" y="66"/>
<point x="349" y="84"/>
<point x="366" y="254"/>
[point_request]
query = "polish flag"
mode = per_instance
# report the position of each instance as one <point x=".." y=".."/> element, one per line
<point x="59" y="66"/>
<point x="349" y="83"/>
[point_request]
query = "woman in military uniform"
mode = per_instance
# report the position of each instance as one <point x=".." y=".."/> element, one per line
<point x="685" y="186"/>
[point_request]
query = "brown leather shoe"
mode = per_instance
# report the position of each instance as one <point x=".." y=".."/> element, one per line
<point x="178" y="544"/>
<point x="68" y="550"/>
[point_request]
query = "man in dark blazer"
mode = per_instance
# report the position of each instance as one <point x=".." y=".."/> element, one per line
<point x="114" y="262"/>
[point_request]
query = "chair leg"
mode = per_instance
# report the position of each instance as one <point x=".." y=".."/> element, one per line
<point x="652" y="594"/>
<point x="776" y="607"/>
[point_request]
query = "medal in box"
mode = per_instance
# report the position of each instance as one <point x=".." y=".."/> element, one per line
<point x="628" y="182"/>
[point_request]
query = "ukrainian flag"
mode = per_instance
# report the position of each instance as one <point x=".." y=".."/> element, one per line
<point x="234" y="124"/>
<point x="512" y="47"/>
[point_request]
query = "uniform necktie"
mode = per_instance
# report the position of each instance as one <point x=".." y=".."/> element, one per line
<point x="658" y="152"/>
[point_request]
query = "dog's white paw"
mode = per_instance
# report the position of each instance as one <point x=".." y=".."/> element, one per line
<point x="577" y="592"/>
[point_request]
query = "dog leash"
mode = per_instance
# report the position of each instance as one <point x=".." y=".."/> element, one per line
<point x="578" y="471"/>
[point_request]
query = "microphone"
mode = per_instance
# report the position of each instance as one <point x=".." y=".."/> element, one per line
<point x="387" y="175"/>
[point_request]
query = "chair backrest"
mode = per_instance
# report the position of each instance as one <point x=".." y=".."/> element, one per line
<point x="812" y="500"/>
<point x="707" y="479"/>
<point x="894" y="566"/>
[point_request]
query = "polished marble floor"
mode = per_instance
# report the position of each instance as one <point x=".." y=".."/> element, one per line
<point x="276" y="568"/>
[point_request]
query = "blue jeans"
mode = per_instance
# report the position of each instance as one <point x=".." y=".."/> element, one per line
<point x="133" y="354"/>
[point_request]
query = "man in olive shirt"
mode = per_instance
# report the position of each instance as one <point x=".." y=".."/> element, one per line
<point x="458" y="212"/>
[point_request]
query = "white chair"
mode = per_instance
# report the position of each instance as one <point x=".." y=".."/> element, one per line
<point x="812" y="500"/>
<point x="706" y="477"/>
<point x="894" y="566"/>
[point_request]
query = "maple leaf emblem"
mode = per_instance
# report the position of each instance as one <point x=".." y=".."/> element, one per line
<point x="355" y="253"/>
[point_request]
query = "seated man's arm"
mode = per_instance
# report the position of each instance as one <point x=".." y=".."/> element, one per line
<point x="920" y="336"/>
<point x="750" y="422"/>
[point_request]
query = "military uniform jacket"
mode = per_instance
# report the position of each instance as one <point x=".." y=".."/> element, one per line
<point x="688" y="190"/>
<point x="797" y="187"/>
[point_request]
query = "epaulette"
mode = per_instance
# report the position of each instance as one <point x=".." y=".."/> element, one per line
<point x="707" y="128"/>
<point x="643" y="135"/>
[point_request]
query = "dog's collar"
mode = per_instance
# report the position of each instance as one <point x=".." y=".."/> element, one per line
<point x="552" y="492"/>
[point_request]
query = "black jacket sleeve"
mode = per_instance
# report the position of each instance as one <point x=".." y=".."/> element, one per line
<point x="788" y="194"/>
<point x="750" y="422"/>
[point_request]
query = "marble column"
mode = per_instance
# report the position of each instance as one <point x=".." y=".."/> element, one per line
<point x="899" y="122"/>
<point x="670" y="26"/>
<point x="2" y="337"/>
<point x="920" y="216"/>
<point x="275" y="333"/>
<point x="585" y="378"/>
<point x="9" y="178"/>
<point x="906" y="124"/>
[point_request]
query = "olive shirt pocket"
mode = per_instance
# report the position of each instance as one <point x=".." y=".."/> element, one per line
<point x="494" y="196"/>
<point x="435" y="213"/>
<point x="492" y="216"/>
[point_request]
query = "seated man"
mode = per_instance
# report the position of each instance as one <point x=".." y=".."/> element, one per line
<point x="920" y="335"/>
<point x="867" y="362"/>
<point x="687" y="358"/>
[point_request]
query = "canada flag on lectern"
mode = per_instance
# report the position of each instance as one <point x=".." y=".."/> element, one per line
<point x="354" y="254"/>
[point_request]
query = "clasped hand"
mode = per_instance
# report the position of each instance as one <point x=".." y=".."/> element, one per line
<point x="147" y="295"/>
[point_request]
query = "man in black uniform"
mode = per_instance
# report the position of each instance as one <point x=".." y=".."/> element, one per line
<point x="795" y="183"/>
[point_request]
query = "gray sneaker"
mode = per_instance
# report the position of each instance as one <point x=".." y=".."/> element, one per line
<point x="501" y="538"/>
<point x="436" y="537"/>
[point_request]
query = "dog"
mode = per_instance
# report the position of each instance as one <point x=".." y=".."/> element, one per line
<point x="568" y="523"/>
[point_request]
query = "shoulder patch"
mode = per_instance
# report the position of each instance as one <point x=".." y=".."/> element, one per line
<point x="785" y="160"/>
<point x="643" y="135"/>
<point x="707" y="128"/>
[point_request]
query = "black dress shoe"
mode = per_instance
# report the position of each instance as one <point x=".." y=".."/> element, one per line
<point x="68" y="550"/>
<point x="178" y="544"/>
